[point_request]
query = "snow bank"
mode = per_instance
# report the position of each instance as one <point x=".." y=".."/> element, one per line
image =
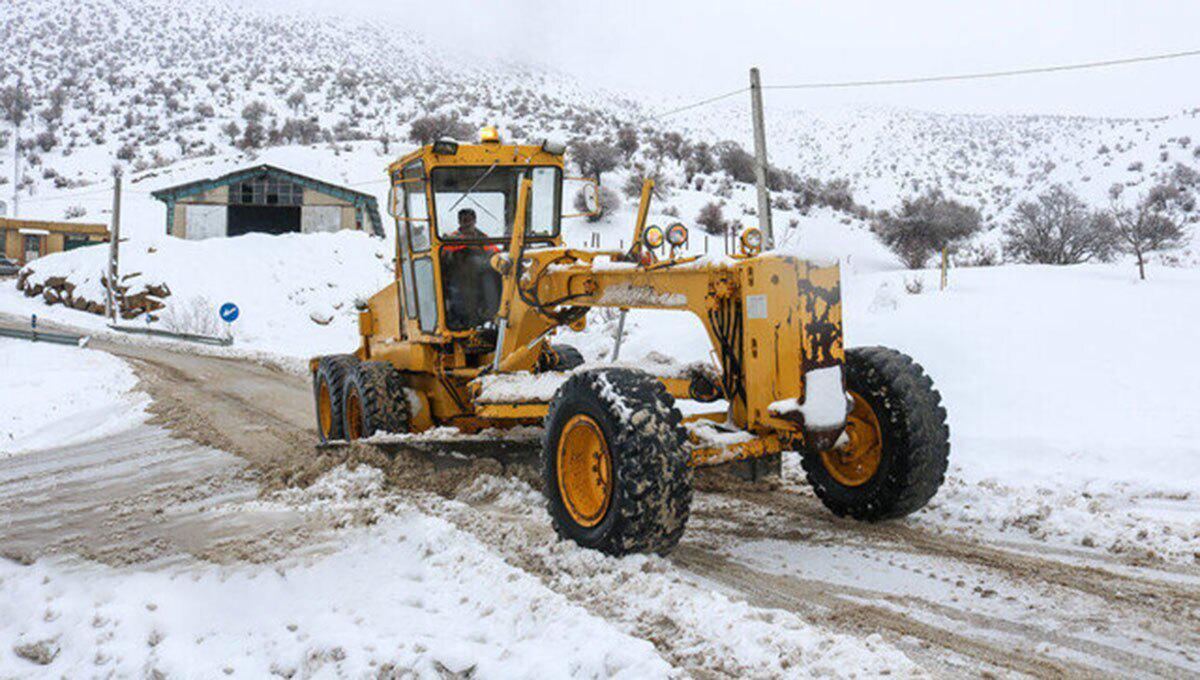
<point x="410" y="593"/>
<point x="54" y="395"/>
<point x="296" y="292"/>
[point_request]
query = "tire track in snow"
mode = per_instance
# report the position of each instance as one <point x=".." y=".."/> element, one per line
<point x="1152" y="620"/>
<point x="1175" y="598"/>
<point x="703" y="634"/>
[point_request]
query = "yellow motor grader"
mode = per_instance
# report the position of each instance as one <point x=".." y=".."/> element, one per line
<point x="464" y="337"/>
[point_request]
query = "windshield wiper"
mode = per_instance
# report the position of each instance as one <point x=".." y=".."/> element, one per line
<point x="473" y="187"/>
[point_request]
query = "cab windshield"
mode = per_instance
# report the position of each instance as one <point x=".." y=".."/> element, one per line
<point x="480" y="203"/>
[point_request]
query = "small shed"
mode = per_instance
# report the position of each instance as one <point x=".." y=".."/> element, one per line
<point x="266" y="199"/>
<point x="27" y="240"/>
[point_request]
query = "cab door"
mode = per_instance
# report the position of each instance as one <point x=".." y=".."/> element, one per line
<point x="414" y="243"/>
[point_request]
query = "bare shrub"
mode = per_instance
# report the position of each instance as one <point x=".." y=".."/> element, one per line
<point x="1057" y="228"/>
<point x="197" y="316"/>
<point x="711" y="219"/>
<point x="735" y="162"/>
<point x="627" y="141"/>
<point x="429" y="129"/>
<point x="926" y="225"/>
<point x="977" y="255"/>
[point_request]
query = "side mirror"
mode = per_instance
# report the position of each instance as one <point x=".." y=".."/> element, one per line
<point x="591" y="193"/>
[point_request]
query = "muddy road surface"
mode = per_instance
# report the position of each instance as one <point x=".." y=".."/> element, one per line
<point x="225" y="430"/>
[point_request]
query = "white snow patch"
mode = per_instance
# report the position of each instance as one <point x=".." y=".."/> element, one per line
<point x="825" y="404"/>
<point x="295" y="292"/>
<point x="640" y="295"/>
<point x="522" y="386"/>
<point x="411" y="594"/>
<point x="56" y="395"/>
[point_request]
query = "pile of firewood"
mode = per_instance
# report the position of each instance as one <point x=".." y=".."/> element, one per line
<point x="58" y="290"/>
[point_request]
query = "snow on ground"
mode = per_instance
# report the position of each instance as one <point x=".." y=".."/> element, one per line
<point x="295" y="292"/>
<point x="59" y="395"/>
<point x="413" y="592"/>
<point x="405" y="591"/>
<point x="1072" y="400"/>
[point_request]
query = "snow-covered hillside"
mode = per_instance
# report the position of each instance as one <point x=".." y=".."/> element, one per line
<point x="150" y="83"/>
<point x="990" y="161"/>
<point x="160" y="88"/>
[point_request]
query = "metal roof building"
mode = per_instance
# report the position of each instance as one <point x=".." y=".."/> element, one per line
<point x="265" y="199"/>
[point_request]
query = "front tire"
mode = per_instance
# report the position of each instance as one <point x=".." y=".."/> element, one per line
<point x="615" y="466"/>
<point x="897" y="442"/>
<point x="374" y="401"/>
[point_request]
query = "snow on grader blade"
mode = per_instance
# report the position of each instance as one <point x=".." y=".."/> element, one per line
<point x="463" y="339"/>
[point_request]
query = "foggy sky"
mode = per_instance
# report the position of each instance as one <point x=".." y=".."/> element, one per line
<point x="682" y="49"/>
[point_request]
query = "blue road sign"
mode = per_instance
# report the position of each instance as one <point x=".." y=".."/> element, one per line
<point x="229" y="312"/>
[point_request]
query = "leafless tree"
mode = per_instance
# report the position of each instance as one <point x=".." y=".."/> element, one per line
<point x="231" y="130"/>
<point x="1057" y="228"/>
<point x="595" y="158"/>
<point x="1154" y="223"/>
<point x="925" y="225"/>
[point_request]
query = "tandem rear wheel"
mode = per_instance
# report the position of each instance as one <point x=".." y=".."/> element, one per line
<point x="355" y="399"/>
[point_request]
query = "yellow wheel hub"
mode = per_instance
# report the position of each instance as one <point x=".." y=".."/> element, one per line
<point x="354" y="415"/>
<point x="584" y="465"/>
<point x="857" y="460"/>
<point x="324" y="409"/>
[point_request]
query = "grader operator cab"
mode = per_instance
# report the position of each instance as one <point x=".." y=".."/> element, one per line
<point x="464" y="337"/>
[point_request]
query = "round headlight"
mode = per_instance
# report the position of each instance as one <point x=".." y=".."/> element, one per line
<point x="752" y="241"/>
<point x="677" y="234"/>
<point x="653" y="237"/>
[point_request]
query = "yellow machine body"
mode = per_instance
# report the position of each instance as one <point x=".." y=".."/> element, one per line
<point x="771" y="319"/>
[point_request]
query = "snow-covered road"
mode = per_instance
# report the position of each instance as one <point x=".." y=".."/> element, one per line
<point x="141" y="551"/>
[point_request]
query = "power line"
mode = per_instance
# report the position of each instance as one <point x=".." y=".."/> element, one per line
<point x="940" y="78"/>
<point x="699" y="103"/>
<point x="988" y="74"/>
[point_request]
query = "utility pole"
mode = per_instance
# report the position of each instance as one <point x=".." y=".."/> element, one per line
<point x="16" y="170"/>
<point x="111" y="304"/>
<point x="760" y="160"/>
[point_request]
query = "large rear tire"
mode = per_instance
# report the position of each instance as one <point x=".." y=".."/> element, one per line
<point x="615" y="466"/>
<point x="897" y="443"/>
<point x="328" y="386"/>
<point x="374" y="401"/>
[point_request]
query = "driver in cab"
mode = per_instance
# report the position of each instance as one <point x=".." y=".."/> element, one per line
<point x="472" y="286"/>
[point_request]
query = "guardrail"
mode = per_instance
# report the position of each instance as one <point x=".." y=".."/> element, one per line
<point x="190" y="337"/>
<point x="43" y="336"/>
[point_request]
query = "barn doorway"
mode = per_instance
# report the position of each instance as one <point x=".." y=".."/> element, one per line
<point x="263" y="219"/>
<point x="264" y="204"/>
